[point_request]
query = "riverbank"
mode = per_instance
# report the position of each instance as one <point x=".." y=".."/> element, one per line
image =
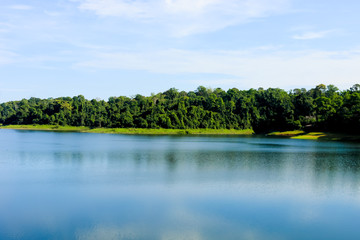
<point x="299" y="134"/>
<point x="140" y="131"/>
<point x="296" y="134"/>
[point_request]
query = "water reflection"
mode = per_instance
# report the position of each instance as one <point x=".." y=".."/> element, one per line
<point x="318" y="164"/>
<point x="97" y="186"/>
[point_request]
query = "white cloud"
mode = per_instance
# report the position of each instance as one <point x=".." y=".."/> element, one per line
<point x="53" y="14"/>
<point x="185" y="17"/>
<point x="21" y="7"/>
<point x="7" y="57"/>
<point x="130" y="9"/>
<point x="275" y="69"/>
<point x="312" y="35"/>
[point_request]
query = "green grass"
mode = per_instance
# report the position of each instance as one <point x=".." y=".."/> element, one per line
<point x="296" y="134"/>
<point x="311" y="135"/>
<point x="299" y="134"/>
<point x="287" y="133"/>
<point x="144" y="131"/>
<point x="47" y="128"/>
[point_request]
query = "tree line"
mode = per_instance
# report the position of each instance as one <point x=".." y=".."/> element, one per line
<point x="322" y="108"/>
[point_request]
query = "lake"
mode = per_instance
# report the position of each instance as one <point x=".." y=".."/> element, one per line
<point x="100" y="186"/>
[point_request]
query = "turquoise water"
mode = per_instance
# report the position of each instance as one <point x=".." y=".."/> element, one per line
<point x="102" y="186"/>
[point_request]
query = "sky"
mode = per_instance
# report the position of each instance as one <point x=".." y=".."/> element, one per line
<point x="104" y="48"/>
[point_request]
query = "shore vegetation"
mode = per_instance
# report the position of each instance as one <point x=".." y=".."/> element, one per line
<point x="316" y="112"/>
<point x="140" y="131"/>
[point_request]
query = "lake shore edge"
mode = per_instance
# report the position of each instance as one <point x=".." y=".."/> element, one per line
<point x="296" y="134"/>
<point x="328" y="136"/>
<point x="130" y="131"/>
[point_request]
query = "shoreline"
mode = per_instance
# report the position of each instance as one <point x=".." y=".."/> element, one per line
<point x="131" y="131"/>
<point x="296" y="134"/>
<point x="327" y="136"/>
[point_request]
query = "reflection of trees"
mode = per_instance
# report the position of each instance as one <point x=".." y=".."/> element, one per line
<point x="68" y="156"/>
<point x="171" y="161"/>
<point x="322" y="169"/>
<point x="337" y="163"/>
<point x="319" y="169"/>
<point x="330" y="169"/>
<point x="78" y="157"/>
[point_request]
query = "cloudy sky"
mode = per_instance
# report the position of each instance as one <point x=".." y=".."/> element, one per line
<point x="103" y="48"/>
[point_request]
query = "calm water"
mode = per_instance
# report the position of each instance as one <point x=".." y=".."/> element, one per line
<point x="98" y="186"/>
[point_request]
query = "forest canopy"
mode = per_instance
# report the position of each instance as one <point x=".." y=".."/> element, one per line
<point x="322" y="108"/>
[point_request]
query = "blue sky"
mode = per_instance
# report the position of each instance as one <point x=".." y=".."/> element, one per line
<point x="103" y="48"/>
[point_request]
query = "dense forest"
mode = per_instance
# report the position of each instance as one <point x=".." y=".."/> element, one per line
<point x="322" y="108"/>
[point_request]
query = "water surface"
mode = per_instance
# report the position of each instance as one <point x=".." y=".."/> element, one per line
<point x="102" y="186"/>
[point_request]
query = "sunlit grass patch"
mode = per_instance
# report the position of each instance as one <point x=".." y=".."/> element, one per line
<point x="47" y="128"/>
<point x="143" y="131"/>
<point x="162" y="131"/>
<point x="287" y="133"/>
<point x="299" y="134"/>
<point x="311" y="135"/>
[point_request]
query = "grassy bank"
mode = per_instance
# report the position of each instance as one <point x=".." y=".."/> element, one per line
<point x="298" y="134"/>
<point x="144" y="131"/>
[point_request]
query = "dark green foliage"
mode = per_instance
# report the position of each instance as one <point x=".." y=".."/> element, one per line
<point x="320" y="108"/>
